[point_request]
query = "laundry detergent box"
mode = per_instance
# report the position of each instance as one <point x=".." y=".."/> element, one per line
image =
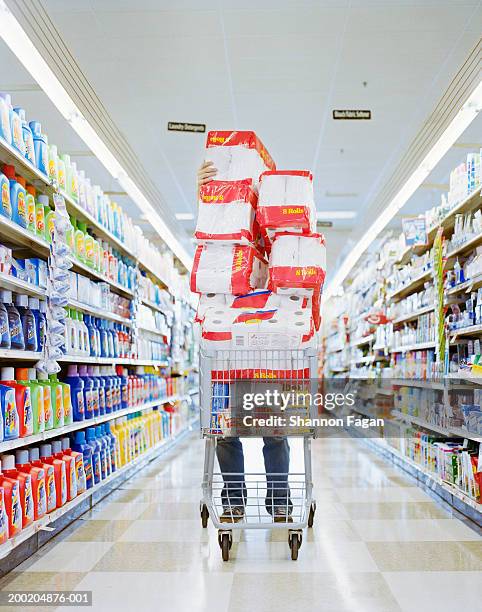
<point x="238" y="155"/>
<point x="36" y="271"/>
<point x="226" y="211"/>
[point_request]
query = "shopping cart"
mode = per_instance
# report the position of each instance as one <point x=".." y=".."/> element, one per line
<point x="225" y="376"/>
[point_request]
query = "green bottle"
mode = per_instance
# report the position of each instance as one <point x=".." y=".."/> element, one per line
<point x="43" y="381"/>
<point x="57" y="400"/>
<point x="79" y="241"/>
<point x="28" y="377"/>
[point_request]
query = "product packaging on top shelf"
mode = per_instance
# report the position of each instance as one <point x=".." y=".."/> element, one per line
<point x="237" y="155"/>
<point x="227" y="268"/>
<point x="227" y="211"/>
<point x="286" y="202"/>
<point x="297" y="264"/>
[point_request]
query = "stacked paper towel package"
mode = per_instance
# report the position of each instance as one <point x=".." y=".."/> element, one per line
<point x="259" y="266"/>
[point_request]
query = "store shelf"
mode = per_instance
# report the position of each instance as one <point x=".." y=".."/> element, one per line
<point x="97" y="312"/>
<point x="112" y="361"/>
<point x="467" y="287"/>
<point x="466" y="376"/>
<point x="17" y="237"/>
<point x="335" y="350"/>
<point x="363" y="360"/>
<point x="411" y="287"/>
<point x="339" y="369"/>
<point x="466" y="247"/>
<point x="413" y="315"/>
<point x="471" y="330"/>
<point x="144" y="266"/>
<point x="469" y="204"/>
<point x="361" y="341"/>
<point x="118" y="476"/>
<point x="413" y="347"/>
<point x="15" y="355"/>
<point x="458" y="432"/>
<point x="11" y="283"/>
<point x="421" y="384"/>
<point x="10" y="155"/>
<point x="151" y="330"/>
<point x="82" y="268"/>
<point x="8" y="445"/>
<point x="153" y="306"/>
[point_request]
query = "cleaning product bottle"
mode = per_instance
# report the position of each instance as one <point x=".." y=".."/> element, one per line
<point x="50" y="488"/>
<point x="101" y="382"/>
<point x="59" y="471"/>
<point x="40" y="215"/>
<point x="95" y="391"/>
<point x="31" y="204"/>
<point x="68" y="410"/>
<point x="17" y="134"/>
<point x="5" y="296"/>
<point x="14" y="322"/>
<point x="57" y="400"/>
<point x="96" y="459"/>
<point x="88" y="392"/>
<point x="108" y="389"/>
<point x="42" y="323"/>
<point x="39" y="319"/>
<point x="13" y="507"/>
<point x="11" y="421"/>
<point x="74" y="178"/>
<point x="89" y="249"/>
<point x="122" y="374"/>
<point x="25" y="487"/>
<point x="6" y="208"/>
<point x="26" y="135"/>
<point x="53" y="165"/>
<point x="28" y="323"/>
<point x="41" y="147"/>
<point x="80" y="445"/>
<point x="69" y="236"/>
<point x="85" y="334"/>
<point x="70" y="475"/>
<point x="22" y="401"/>
<point x="43" y="380"/>
<point x="49" y="219"/>
<point x="78" y="465"/>
<point x="79" y="240"/>
<point x="29" y="377"/>
<point x="3" y="510"/>
<point x="61" y="174"/>
<point x="92" y="336"/>
<point x="22" y="202"/>
<point x="5" y="124"/>
<point x="113" y="450"/>
<point x="103" y="452"/>
<point x="17" y="197"/>
<point x="37" y="475"/>
<point x="71" y="338"/>
<point x="76" y="392"/>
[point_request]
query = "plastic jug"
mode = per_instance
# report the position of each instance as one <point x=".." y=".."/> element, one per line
<point x="13" y="507"/>
<point x="28" y="377"/>
<point x="38" y="482"/>
<point x="124" y="381"/>
<point x="113" y="446"/>
<point x="3" y="516"/>
<point x="29" y="325"/>
<point x="53" y="165"/>
<point x="96" y="459"/>
<point x="70" y="472"/>
<point x="6" y="208"/>
<point x="25" y="488"/>
<point x="101" y="380"/>
<point x="41" y="147"/>
<point x="43" y="380"/>
<point x="80" y="445"/>
<point x="57" y="400"/>
<point x="95" y="391"/>
<point x="59" y="472"/>
<point x="88" y="392"/>
<point x="76" y="393"/>
<point x="5" y="124"/>
<point x="4" y="327"/>
<point x="14" y="322"/>
<point x="65" y="410"/>
<point x="79" y="465"/>
<point x="26" y="135"/>
<point x="34" y="307"/>
<point x="22" y="401"/>
<point x="50" y="487"/>
<point x="17" y="197"/>
<point x="40" y="216"/>
<point x="31" y="204"/>
<point x="104" y="458"/>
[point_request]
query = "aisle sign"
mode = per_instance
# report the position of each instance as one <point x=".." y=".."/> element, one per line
<point x="415" y="231"/>
<point x="180" y="126"/>
<point x="352" y="114"/>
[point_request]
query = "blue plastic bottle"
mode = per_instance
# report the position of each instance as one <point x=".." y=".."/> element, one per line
<point x="108" y="390"/>
<point x="27" y="136"/>
<point x="88" y="392"/>
<point x="104" y="340"/>
<point x="11" y="420"/>
<point x="104" y="452"/>
<point x="42" y="324"/>
<point x="76" y="393"/>
<point x="101" y="389"/>
<point x="18" y="197"/>
<point x="96" y="458"/>
<point x="92" y="336"/>
<point x="6" y="207"/>
<point x="113" y="442"/>
<point x="41" y="147"/>
<point x="80" y="445"/>
<point x="95" y="390"/>
<point x="4" y="326"/>
<point x="5" y="118"/>
<point x="34" y="305"/>
<point x="14" y="323"/>
<point x="118" y="390"/>
<point x="124" y="386"/>
<point x="28" y="323"/>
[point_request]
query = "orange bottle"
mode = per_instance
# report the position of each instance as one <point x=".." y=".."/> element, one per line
<point x="50" y="488"/>
<point x="22" y="400"/>
<point x="79" y="465"/>
<point x="25" y="484"/>
<point x="69" y="468"/>
<point x="59" y="471"/>
<point x="38" y="482"/>
<point x="13" y="507"/>
<point x="3" y="519"/>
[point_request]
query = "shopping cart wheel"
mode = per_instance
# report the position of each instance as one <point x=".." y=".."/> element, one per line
<point x="204" y="515"/>
<point x="294" y="540"/>
<point x="311" y="515"/>
<point x="225" y="540"/>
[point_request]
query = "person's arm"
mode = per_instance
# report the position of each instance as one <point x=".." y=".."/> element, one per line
<point x="206" y="173"/>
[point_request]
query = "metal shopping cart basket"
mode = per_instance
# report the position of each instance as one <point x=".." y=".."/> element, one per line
<point x="225" y="378"/>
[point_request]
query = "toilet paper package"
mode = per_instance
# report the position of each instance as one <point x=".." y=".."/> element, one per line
<point x="297" y="264"/>
<point x="286" y="202"/>
<point x="227" y="211"/>
<point x="237" y="155"/>
<point x="227" y="268"/>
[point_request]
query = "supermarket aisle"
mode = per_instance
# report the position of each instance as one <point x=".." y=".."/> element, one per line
<point x="379" y="544"/>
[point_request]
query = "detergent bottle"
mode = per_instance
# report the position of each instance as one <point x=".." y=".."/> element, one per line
<point x="88" y="392"/>
<point x="49" y="223"/>
<point x="49" y="405"/>
<point x="113" y="446"/>
<point x="61" y="174"/>
<point x="59" y="471"/>
<point x="89" y="249"/>
<point x="34" y="307"/>
<point x="38" y="482"/>
<point x="41" y="322"/>
<point x="6" y="208"/>
<point x="28" y="377"/>
<point x="4" y="327"/>
<point x="29" y="326"/>
<point x="3" y="514"/>
<point x="95" y="390"/>
<point x="79" y="241"/>
<point x="5" y="123"/>
<point x="104" y="460"/>
<point x="10" y="427"/>
<point x="13" y="506"/>
<point x="17" y="133"/>
<point x="22" y="401"/>
<point x="81" y="446"/>
<point x="14" y="322"/>
<point x="53" y="165"/>
<point x="17" y="197"/>
<point x="50" y="487"/>
<point x="101" y="382"/>
<point x="40" y="216"/>
<point x="70" y="473"/>
<point x="76" y="385"/>
<point x="96" y="458"/>
<point x="63" y="406"/>
<point x="79" y="465"/>
<point x="124" y="382"/>
<point x="41" y="147"/>
<point x="92" y="336"/>
<point x="25" y="487"/>
<point x="27" y="136"/>
<point x="31" y="204"/>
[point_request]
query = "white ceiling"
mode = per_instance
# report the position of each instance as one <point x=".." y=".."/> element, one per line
<point x="277" y="67"/>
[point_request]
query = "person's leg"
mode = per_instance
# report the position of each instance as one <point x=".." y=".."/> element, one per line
<point x="276" y="452"/>
<point x="231" y="462"/>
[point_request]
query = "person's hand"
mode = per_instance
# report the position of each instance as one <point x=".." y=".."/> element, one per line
<point x="206" y="173"/>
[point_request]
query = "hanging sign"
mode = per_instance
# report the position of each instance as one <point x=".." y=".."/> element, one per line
<point x="180" y="126"/>
<point x="415" y="231"/>
<point x="352" y="114"/>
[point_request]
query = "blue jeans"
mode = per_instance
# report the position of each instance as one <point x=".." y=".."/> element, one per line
<point x="276" y="453"/>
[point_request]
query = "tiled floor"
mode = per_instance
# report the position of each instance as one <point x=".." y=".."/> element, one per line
<point x="379" y="543"/>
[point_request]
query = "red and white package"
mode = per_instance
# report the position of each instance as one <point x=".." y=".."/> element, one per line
<point x="227" y="211"/>
<point x="286" y="202"/>
<point x="297" y="264"/>
<point x="227" y="268"/>
<point x="237" y="155"/>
